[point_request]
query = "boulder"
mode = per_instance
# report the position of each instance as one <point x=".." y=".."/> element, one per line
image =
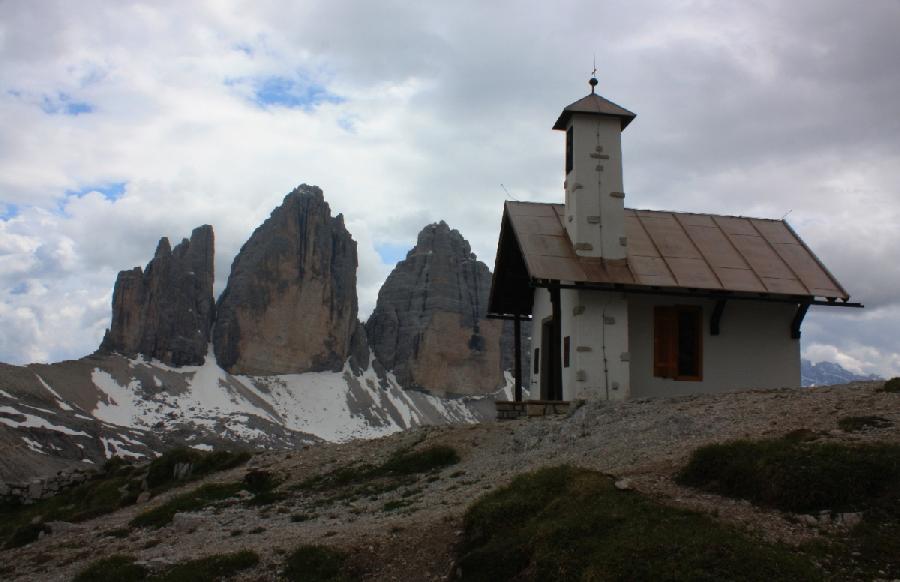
<point x="166" y="311"/>
<point x="290" y="304"/>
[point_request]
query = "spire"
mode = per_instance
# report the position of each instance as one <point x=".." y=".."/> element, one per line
<point x="593" y="81"/>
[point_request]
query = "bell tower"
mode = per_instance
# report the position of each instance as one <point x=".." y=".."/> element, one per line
<point x="595" y="205"/>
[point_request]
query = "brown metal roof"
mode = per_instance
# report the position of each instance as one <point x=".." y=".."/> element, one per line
<point x="674" y="250"/>
<point x="596" y="105"/>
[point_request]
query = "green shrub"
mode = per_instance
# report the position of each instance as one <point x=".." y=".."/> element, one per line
<point x="115" y="568"/>
<point x="403" y="463"/>
<point x="427" y="459"/>
<point x="161" y="472"/>
<point x="566" y="523"/>
<point x="193" y="501"/>
<point x="210" y="568"/>
<point x="796" y="476"/>
<point x="317" y="564"/>
<point x="858" y="423"/>
<point x="25" y="534"/>
<point x="892" y="385"/>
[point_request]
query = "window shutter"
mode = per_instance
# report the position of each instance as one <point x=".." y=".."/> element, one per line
<point x="665" y="342"/>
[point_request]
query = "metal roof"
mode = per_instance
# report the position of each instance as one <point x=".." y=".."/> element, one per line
<point x="595" y="105"/>
<point x="666" y="250"/>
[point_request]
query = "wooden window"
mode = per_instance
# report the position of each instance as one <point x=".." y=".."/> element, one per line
<point x="570" y="144"/>
<point x="536" y="361"/>
<point x="566" y="343"/>
<point x="678" y="342"/>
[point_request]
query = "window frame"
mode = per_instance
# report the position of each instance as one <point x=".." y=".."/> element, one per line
<point x="666" y="348"/>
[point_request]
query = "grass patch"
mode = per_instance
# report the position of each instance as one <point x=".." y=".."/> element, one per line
<point x="121" y="533"/>
<point x="25" y="534"/>
<point x="161" y="471"/>
<point x="262" y="484"/>
<point x="117" y="568"/>
<point x="401" y="463"/>
<point x="422" y="461"/>
<point x="565" y="523"/>
<point x="797" y="476"/>
<point x="193" y="501"/>
<point x="809" y="477"/>
<point x="892" y="385"/>
<point x="858" y="423"/>
<point x="317" y="564"/>
<point x="366" y="481"/>
<point x="210" y="568"/>
<point x="395" y="505"/>
<point x="116" y="485"/>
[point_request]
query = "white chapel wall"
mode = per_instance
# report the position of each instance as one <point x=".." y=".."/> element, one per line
<point x="597" y="324"/>
<point x="754" y="348"/>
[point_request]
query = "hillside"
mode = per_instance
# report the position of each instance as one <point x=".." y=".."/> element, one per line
<point x="78" y="414"/>
<point x="408" y="529"/>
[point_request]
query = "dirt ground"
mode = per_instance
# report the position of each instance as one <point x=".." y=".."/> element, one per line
<point x="644" y="441"/>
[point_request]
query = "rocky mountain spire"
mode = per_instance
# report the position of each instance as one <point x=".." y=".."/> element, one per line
<point x="165" y="312"/>
<point x="290" y="304"/>
<point x="429" y="323"/>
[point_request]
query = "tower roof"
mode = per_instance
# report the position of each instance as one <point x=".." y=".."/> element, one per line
<point x="594" y="105"/>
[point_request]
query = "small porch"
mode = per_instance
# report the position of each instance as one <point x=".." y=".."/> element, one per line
<point x="507" y="410"/>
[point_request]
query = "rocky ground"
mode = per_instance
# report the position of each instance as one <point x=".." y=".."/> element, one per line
<point x="409" y="532"/>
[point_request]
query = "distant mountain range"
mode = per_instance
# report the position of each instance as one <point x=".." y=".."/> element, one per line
<point x="828" y="373"/>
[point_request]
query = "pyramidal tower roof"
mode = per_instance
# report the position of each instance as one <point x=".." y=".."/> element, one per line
<point x="594" y="104"/>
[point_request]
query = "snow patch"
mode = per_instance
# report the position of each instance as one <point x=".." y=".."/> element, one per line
<point x="202" y="447"/>
<point x="113" y="447"/>
<point x="60" y="401"/>
<point x="32" y="421"/>
<point x="34" y="445"/>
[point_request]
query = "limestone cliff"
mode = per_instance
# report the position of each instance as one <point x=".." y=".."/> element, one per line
<point x="290" y="304"/>
<point x="429" y="323"/>
<point x="165" y="312"/>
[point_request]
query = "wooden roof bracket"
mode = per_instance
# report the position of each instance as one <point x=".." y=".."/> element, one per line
<point x="715" y="320"/>
<point x="798" y="319"/>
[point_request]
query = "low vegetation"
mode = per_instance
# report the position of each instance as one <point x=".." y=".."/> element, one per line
<point x="892" y="385"/>
<point x="797" y="475"/>
<point x="192" y="501"/>
<point x="823" y="478"/>
<point x="860" y="423"/>
<point x="118" y="484"/>
<point x="318" y="564"/>
<point x="161" y="471"/>
<point x="401" y="464"/>
<point x="566" y="523"/>
<point x="121" y="568"/>
<point x="210" y="568"/>
<point x="116" y="568"/>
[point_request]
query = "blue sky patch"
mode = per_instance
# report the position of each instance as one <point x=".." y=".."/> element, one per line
<point x="392" y="253"/>
<point x="111" y="191"/>
<point x="20" y="289"/>
<point x="62" y="104"/>
<point x="9" y="211"/>
<point x="286" y="92"/>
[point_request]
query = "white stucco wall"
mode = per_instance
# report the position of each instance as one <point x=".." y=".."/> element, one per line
<point x="598" y="325"/>
<point x="540" y="311"/>
<point x="595" y="215"/>
<point x="754" y="348"/>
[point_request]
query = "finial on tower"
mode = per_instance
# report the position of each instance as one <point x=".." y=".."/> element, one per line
<point x="593" y="81"/>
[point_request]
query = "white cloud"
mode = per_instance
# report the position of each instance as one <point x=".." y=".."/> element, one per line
<point x="742" y="109"/>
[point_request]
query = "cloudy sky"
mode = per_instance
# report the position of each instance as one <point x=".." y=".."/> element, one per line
<point x="121" y="122"/>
